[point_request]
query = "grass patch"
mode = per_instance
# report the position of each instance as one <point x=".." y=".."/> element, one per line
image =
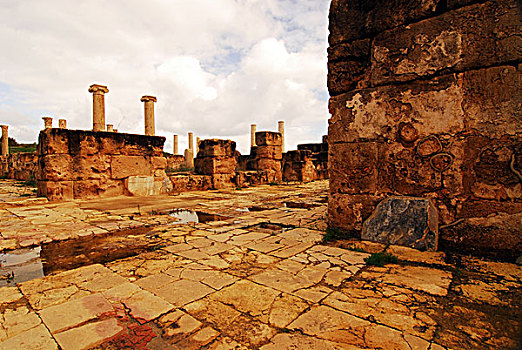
<point x="180" y="169"/>
<point x="28" y="183"/>
<point x="354" y="248"/>
<point x="333" y="234"/>
<point x="380" y="259"/>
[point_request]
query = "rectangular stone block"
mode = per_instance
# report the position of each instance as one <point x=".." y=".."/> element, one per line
<point x="158" y="163"/>
<point x="216" y="148"/>
<point x="429" y="107"/>
<point x="220" y="181"/>
<point x="348" y="212"/>
<point x="472" y="37"/>
<point x="142" y="186"/>
<point x="215" y="165"/>
<point x="356" y="19"/>
<point x="268" y="164"/>
<point x="55" y="167"/>
<point x="125" y="166"/>
<point x="408" y="221"/>
<point x="272" y="152"/>
<point x="56" y="190"/>
<point x="353" y="167"/>
<point x="104" y="188"/>
<point x="348" y="66"/>
<point x="51" y="141"/>
<point x="268" y="138"/>
<point x="298" y="156"/>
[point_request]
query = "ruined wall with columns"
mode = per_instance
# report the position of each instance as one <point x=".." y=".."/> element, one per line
<point x="76" y="164"/>
<point x="425" y="102"/>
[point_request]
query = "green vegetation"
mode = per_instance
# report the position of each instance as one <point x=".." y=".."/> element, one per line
<point x="354" y="248"/>
<point x="380" y="259"/>
<point x="334" y="233"/>
<point x="181" y="169"/>
<point x="28" y="183"/>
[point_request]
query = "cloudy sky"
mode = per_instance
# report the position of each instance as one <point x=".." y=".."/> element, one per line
<point x="216" y="66"/>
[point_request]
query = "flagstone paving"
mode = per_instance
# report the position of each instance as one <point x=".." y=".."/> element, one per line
<point x="259" y="279"/>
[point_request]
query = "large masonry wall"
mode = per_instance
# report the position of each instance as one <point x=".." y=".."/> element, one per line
<point x="19" y="166"/>
<point x="425" y="101"/>
<point x="76" y="164"/>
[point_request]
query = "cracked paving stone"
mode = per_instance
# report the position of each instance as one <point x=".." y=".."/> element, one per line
<point x="211" y="278"/>
<point x="177" y="293"/>
<point x="281" y="280"/>
<point x="34" y="338"/>
<point x="156" y="281"/>
<point x="88" y="335"/>
<point x="16" y="321"/>
<point x="285" y="309"/>
<point x="145" y="306"/>
<point x="72" y="313"/>
<point x="213" y="311"/>
<point x="429" y="280"/>
<point x="299" y="341"/>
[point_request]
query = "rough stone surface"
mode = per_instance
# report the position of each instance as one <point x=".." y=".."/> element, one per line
<point x="408" y="221"/>
<point x="425" y="102"/>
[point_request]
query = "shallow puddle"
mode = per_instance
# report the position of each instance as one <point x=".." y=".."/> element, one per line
<point x="20" y="265"/>
<point x="186" y="216"/>
<point x="272" y="228"/>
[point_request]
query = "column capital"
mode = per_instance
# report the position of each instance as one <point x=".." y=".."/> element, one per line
<point x="98" y="89"/>
<point x="147" y="98"/>
<point x="4" y="127"/>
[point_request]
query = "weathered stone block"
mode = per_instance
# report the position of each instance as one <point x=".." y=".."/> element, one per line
<point x="158" y="162"/>
<point x="216" y="165"/>
<point x="55" y="167"/>
<point x="348" y="66"/>
<point x="353" y="167"/>
<point x="56" y="190"/>
<point x="302" y="171"/>
<point x="348" y="212"/>
<point x="52" y="142"/>
<point x="220" y="181"/>
<point x="216" y="148"/>
<point x="407" y="221"/>
<point x="356" y="19"/>
<point x="496" y="236"/>
<point x="268" y="164"/>
<point x="103" y="188"/>
<point x="268" y="138"/>
<point x="142" y="186"/>
<point x="125" y="166"/>
<point x="476" y="36"/>
<point x="272" y="152"/>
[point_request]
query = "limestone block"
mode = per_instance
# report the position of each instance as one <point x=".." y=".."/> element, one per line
<point x="103" y="188"/>
<point x="55" y="167"/>
<point x="355" y="19"/>
<point x="268" y="164"/>
<point x="353" y="167"/>
<point x="51" y="141"/>
<point x="91" y="167"/>
<point x="496" y="236"/>
<point x="406" y="221"/>
<point x="220" y="181"/>
<point x="183" y="183"/>
<point x="347" y="211"/>
<point x="125" y="166"/>
<point x="215" y="165"/>
<point x="299" y="171"/>
<point x="159" y="162"/>
<point x="348" y="66"/>
<point x="216" y="148"/>
<point x="430" y="107"/>
<point x="142" y="186"/>
<point x="268" y="138"/>
<point x="56" y="190"/>
<point x="272" y="152"/>
<point x="476" y="36"/>
<point x="298" y="156"/>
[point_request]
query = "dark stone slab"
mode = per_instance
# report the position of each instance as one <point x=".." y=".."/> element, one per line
<point x="406" y="221"/>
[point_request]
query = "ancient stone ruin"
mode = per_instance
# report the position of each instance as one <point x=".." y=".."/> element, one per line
<point x="425" y="102"/>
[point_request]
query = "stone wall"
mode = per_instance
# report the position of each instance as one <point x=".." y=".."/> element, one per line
<point x="425" y="102"/>
<point x="217" y="158"/>
<point x="268" y="155"/>
<point x="319" y="157"/>
<point x="76" y="164"/>
<point x="298" y="166"/>
<point x="19" y="166"/>
<point x="175" y="162"/>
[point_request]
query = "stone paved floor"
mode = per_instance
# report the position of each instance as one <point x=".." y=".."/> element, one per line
<point x="256" y="279"/>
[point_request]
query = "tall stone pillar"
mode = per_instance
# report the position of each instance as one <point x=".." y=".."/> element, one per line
<point x="197" y="146"/>
<point x="48" y="122"/>
<point x="110" y="128"/>
<point x="281" y="129"/>
<point x="191" y="142"/>
<point x="5" y="141"/>
<point x="189" y="158"/>
<point x="253" y="129"/>
<point x="98" y="106"/>
<point x="62" y="123"/>
<point x="175" y="150"/>
<point x="150" y="130"/>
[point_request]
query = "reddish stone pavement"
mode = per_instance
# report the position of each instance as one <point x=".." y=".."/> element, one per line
<point x="256" y="279"/>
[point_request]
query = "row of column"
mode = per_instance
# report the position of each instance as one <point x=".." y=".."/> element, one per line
<point x="280" y="129"/>
<point x="98" y="110"/>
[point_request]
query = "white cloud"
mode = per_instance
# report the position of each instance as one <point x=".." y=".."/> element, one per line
<point x="216" y="66"/>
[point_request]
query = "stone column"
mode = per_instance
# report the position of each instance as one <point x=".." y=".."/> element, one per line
<point x="5" y="141"/>
<point x="197" y="146"/>
<point x="253" y="129"/>
<point x="110" y="128"/>
<point x="149" y="114"/>
<point x="48" y="122"/>
<point x="62" y="123"/>
<point x="189" y="158"/>
<point x="191" y="142"/>
<point x="98" y="106"/>
<point x="281" y="129"/>
<point x="175" y="150"/>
